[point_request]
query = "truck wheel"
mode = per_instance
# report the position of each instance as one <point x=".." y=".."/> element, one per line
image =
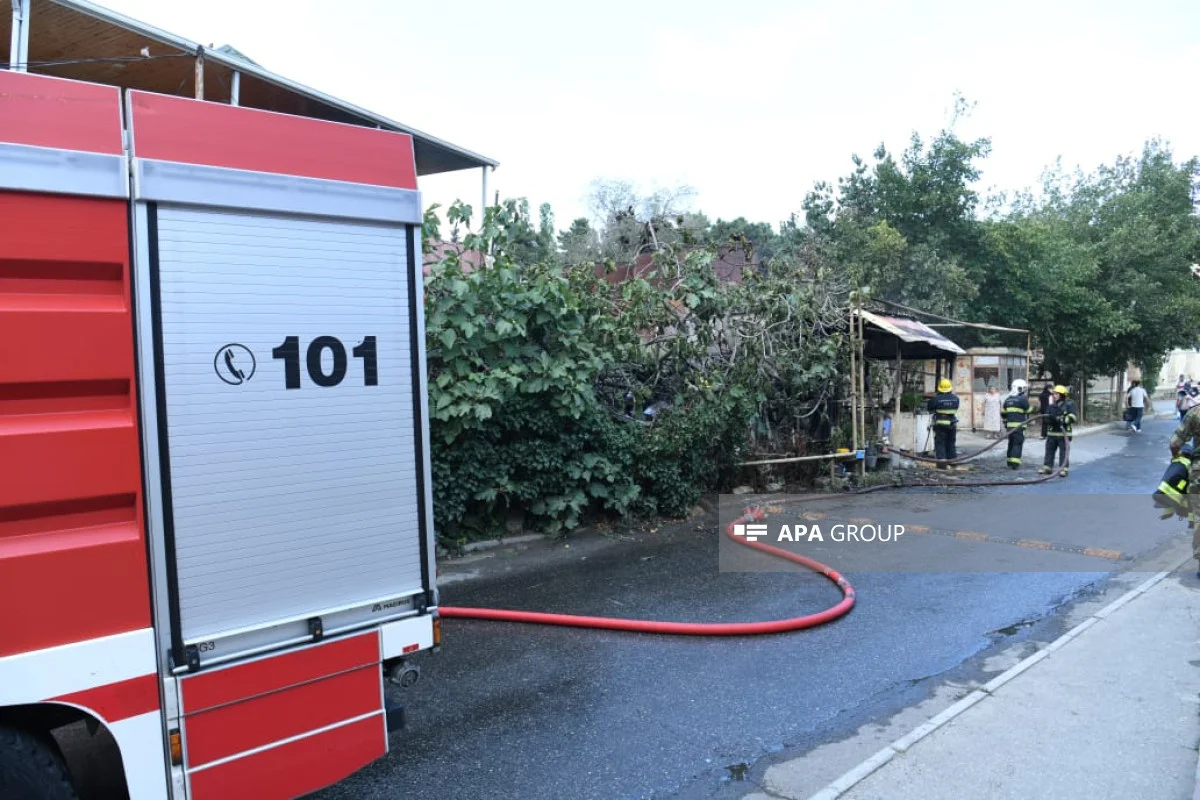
<point x="30" y="770"/>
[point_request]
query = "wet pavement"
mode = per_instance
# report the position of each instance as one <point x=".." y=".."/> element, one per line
<point x="519" y="711"/>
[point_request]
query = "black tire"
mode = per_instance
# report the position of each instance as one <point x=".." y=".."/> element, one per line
<point x="30" y="770"/>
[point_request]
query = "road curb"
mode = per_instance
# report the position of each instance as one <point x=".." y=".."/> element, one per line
<point x="489" y="544"/>
<point x="1196" y="791"/>
<point x="848" y="780"/>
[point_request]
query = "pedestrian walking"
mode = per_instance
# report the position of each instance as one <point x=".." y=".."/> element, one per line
<point x="993" y="421"/>
<point x="1043" y="405"/>
<point x="1060" y="430"/>
<point x="1016" y="412"/>
<point x="944" y="407"/>
<point x="1135" y="401"/>
<point x="1187" y="433"/>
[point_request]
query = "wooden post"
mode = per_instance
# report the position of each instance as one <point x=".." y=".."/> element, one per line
<point x="200" y="73"/>
<point x="971" y="378"/>
<point x="853" y="379"/>
<point x="899" y="382"/>
<point x="862" y="386"/>
<point x="1028" y="355"/>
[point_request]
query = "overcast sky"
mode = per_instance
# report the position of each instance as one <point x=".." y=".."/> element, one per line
<point x="749" y="102"/>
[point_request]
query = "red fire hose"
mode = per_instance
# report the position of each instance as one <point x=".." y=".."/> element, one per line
<point x="688" y="628"/>
<point x="750" y="628"/>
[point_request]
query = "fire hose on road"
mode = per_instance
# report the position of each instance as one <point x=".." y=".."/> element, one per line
<point x="690" y="628"/>
<point x="963" y="459"/>
<point x="753" y="628"/>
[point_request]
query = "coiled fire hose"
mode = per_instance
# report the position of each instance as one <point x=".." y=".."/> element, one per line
<point x="771" y="626"/>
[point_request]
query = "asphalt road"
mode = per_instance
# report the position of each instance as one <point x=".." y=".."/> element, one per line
<point x="516" y="711"/>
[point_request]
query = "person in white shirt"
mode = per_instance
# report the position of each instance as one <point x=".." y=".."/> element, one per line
<point x="1135" y="400"/>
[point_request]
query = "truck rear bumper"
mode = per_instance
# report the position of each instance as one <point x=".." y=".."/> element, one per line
<point x="293" y="722"/>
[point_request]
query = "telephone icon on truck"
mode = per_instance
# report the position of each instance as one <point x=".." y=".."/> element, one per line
<point x="234" y="364"/>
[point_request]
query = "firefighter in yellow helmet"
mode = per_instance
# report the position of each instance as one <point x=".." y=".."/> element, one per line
<point x="944" y="407"/>
<point x="1016" y="412"/>
<point x="1060" y="427"/>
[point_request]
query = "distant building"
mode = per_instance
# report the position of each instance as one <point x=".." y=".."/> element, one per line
<point x="471" y="260"/>
<point x="730" y="265"/>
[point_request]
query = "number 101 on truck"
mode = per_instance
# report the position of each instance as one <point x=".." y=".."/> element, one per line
<point x="216" y="531"/>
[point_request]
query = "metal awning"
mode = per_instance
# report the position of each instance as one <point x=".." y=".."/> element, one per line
<point x="80" y="40"/>
<point x="916" y="340"/>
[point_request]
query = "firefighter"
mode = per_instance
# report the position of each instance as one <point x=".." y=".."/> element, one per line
<point x="1186" y="434"/>
<point x="1016" y="411"/>
<point x="1172" y="491"/>
<point x="944" y="407"/>
<point x="1059" y="429"/>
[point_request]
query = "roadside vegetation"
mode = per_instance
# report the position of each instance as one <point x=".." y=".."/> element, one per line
<point x="545" y="349"/>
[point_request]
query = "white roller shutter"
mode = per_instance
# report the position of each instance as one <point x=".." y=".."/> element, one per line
<point x="287" y="502"/>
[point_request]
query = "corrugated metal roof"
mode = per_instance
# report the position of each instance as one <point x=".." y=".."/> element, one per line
<point x="433" y="155"/>
<point x="911" y="332"/>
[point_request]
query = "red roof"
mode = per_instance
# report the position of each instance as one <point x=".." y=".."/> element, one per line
<point x="471" y="260"/>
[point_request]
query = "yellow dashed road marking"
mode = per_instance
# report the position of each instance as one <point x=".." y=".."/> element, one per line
<point x="1099" y="553"/>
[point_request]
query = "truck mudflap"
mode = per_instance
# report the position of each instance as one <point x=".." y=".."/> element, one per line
<point x="290" y="723"/>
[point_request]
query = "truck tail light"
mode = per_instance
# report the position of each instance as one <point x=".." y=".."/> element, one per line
<point x="437" y="631"/>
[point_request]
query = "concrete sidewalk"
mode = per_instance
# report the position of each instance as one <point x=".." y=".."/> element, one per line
<point x="1109" y="710"/>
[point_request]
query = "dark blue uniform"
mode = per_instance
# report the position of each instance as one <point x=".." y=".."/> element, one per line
<point x="944" y="406"/>
<point x="1062" y="418"/>
<point x="1016" y="411"/>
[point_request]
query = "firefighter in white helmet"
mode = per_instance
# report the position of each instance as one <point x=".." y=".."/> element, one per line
<point x="1016" y="412"/>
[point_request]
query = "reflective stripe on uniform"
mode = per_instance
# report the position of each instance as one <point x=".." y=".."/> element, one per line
<point x="1170" y="491"/>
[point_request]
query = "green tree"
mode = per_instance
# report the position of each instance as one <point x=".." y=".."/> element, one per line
<point x="927" y="199"/>
<point x="547" y="247"/>
<point x="1098" y="266"/>
<point x="757" y="237"/>
<point x="579" y="244"/>
<point x="633" y="223"/>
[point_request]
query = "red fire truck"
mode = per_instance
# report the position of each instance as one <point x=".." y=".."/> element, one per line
<point x="215" y="505"/>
